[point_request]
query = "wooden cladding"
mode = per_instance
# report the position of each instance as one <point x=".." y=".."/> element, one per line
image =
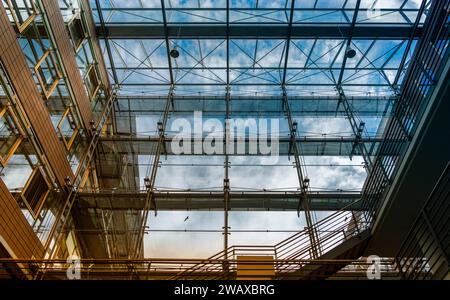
<point x="15" y="229"/>
<point x="31" y="100"/>
<point x="68" y="59"/>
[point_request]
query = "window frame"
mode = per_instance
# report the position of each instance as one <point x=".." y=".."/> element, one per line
<point x="87" y="78"/>
<point x="53" y="86"/>
<point x="22" y="27"/>
<point x="40" y="204"/>
<point x="84" y="31"/>
<point x="7" y="109"/>
<point x="68" y="144"/>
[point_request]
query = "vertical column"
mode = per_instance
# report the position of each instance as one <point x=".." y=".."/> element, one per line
<point x="150" y="180"/>
<point x="28" y="94"/>
<point x="303" y="180"/>
<point x="227" y="135"/>
<point x="226" y="182"/>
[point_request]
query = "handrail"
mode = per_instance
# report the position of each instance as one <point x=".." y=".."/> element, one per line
<point x="166" y="267"/>
<point x="422" y="250"/>
<point x="288" y="249"/>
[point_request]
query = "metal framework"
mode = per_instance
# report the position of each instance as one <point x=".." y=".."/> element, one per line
<point x="332" y="75"/>
<point x="289" y="58"/>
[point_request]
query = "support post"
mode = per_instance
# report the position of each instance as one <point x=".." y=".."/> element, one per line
<point x="150" y="180"/>
<point x="303" y="181"/>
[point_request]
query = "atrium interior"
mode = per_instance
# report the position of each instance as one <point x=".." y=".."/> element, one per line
<point x="225" y="139"/>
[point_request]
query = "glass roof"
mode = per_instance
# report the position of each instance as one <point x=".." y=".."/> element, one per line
<point x="253" y="64"/>
<point x="254" y="11"/>
<point x="258" y="50"/>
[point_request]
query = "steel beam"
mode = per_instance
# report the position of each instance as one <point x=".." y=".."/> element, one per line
<point x="108" y="47"/>
<point x="272" y="31"/>
<point x="256" y="105"/>
<point x="213" y="200"/>
<point x="310" y="146"/>
<point x="358" y="129"/>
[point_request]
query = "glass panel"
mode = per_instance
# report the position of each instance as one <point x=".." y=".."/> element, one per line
<point x="47" y="73"/>
<point x="198" y="233"/>
<point x="92" y="82"/>
<point x="10" y="134"/>
<point x="77" y="32"/>
<point x="262" y="173"/>
<point x="35" y="192"/>
<point x="68" y="128"/>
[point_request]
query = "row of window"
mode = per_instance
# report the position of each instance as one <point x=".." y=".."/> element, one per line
<point x="25" y="167"/>
<point x="24" y="175"/>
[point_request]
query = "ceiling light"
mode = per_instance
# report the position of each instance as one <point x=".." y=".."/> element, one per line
<point x="350" y="53"/>
<point x="174" y="53"/>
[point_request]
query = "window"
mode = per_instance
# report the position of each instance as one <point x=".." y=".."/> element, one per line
<point x="77" y="32"/>
<point x="11" y="135"/>
<point x="47" y="73"/>
<point x="92" y="82"/>
<point x="22" y="13"/>
<point x="68" y="128"/>
<point x="35" y="192"/>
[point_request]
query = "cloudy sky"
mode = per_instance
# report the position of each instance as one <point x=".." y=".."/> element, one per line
<point x="313" y="68"/>
<point x="255" y="69"/>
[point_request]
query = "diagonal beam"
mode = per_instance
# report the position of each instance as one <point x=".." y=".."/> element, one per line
<point x="166" y="38"/>
<point x="357" y="129"/>
<point x="303" y="181"/>
<point x="105" y="36"/>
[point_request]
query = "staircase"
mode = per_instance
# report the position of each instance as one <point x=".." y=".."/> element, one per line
<point x="341" y="235"/>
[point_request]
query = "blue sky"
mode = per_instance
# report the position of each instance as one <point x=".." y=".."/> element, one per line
<point x="254" y="63"/>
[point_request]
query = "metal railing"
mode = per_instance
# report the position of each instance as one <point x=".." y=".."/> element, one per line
<point x="164" y="268"/>
<point x="425" y="253"/>
<point x="330" y="231"/>
<point x="429" y="59"/>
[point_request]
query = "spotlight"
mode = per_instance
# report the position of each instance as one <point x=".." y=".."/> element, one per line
<point x="351" y="53"/>
<point x="174" y="53"/>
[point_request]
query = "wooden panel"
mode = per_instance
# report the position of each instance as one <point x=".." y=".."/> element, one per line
<point x="98" y="52"/>
<point x="29" y="96"/>
<point x="15" y="229"/>
<point x="255" y="268"/>
<point x="68" y="59"/>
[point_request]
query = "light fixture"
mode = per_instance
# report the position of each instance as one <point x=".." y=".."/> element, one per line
<point x="174" y="53"/>
<point x="350" y="53"/>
